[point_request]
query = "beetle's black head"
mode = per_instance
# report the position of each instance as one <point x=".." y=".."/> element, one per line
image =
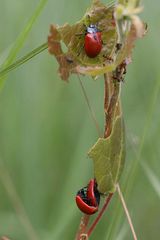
<point x="92" y="28"/>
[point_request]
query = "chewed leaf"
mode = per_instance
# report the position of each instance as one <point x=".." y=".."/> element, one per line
<point x="101" y="15"/>
<point x="74" y="60"/>
<point x="54" y="47"/>
<point x="108" y="155"/>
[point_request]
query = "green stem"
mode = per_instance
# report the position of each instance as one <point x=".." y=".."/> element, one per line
<point x="24" y="59"/>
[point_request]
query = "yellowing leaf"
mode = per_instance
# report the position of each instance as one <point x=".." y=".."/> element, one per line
<point x="108" y="155"/>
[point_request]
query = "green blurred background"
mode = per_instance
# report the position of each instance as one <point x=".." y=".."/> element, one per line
<point x="46" y="131"/>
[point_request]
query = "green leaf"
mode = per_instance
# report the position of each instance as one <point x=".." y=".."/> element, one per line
<point x="108" y="155"/>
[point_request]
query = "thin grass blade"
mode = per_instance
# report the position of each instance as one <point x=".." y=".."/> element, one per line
<point x="152" y="178"/>
<point x="21" y="39"/>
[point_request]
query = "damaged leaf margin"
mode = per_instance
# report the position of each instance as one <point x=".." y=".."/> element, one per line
<point x="75" y="60"/>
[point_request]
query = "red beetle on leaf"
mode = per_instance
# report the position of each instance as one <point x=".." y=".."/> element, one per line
<point x="88" y="198"/>
<point x="92" y="41"/>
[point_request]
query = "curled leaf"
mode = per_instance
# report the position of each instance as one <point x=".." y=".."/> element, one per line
<point x="114" y="22"/>
<point x="75" y="60"/>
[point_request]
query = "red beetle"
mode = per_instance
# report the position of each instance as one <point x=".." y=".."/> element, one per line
<point x="88" y="198"/>
<point x="92" y="41"/>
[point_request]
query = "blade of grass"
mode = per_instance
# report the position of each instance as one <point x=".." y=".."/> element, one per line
<point x="152" y="178"/>
<point x="24" y="59"/>
<point x="123" y="232"/>
<point x="21" y="39"/>
<point x="4" y="53"/>
<point x="147" y="126"/>
<point x="126" y="212"/>
<point x="16" y="202"/>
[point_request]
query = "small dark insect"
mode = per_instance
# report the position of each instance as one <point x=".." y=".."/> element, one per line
<point x="118" y="47"/>
<point x="120" y="71"/>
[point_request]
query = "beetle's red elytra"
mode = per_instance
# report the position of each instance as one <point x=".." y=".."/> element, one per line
<point x="92" y="41"/>
<point x="88" y="198"/>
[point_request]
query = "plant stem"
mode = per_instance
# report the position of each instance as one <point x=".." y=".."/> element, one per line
<point x="82" y="227"/>
<point x="107" y="106"/>
<point x="110" y="104"/>
<point x="108" y="128"/>
<point x="108" y="199"/>
<point x="85" y="218"/>
<point x="107" y="93"/>
<point x="126" y="212"/>
<point x="24" y="59"/>
<point x="107" y="80"/>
